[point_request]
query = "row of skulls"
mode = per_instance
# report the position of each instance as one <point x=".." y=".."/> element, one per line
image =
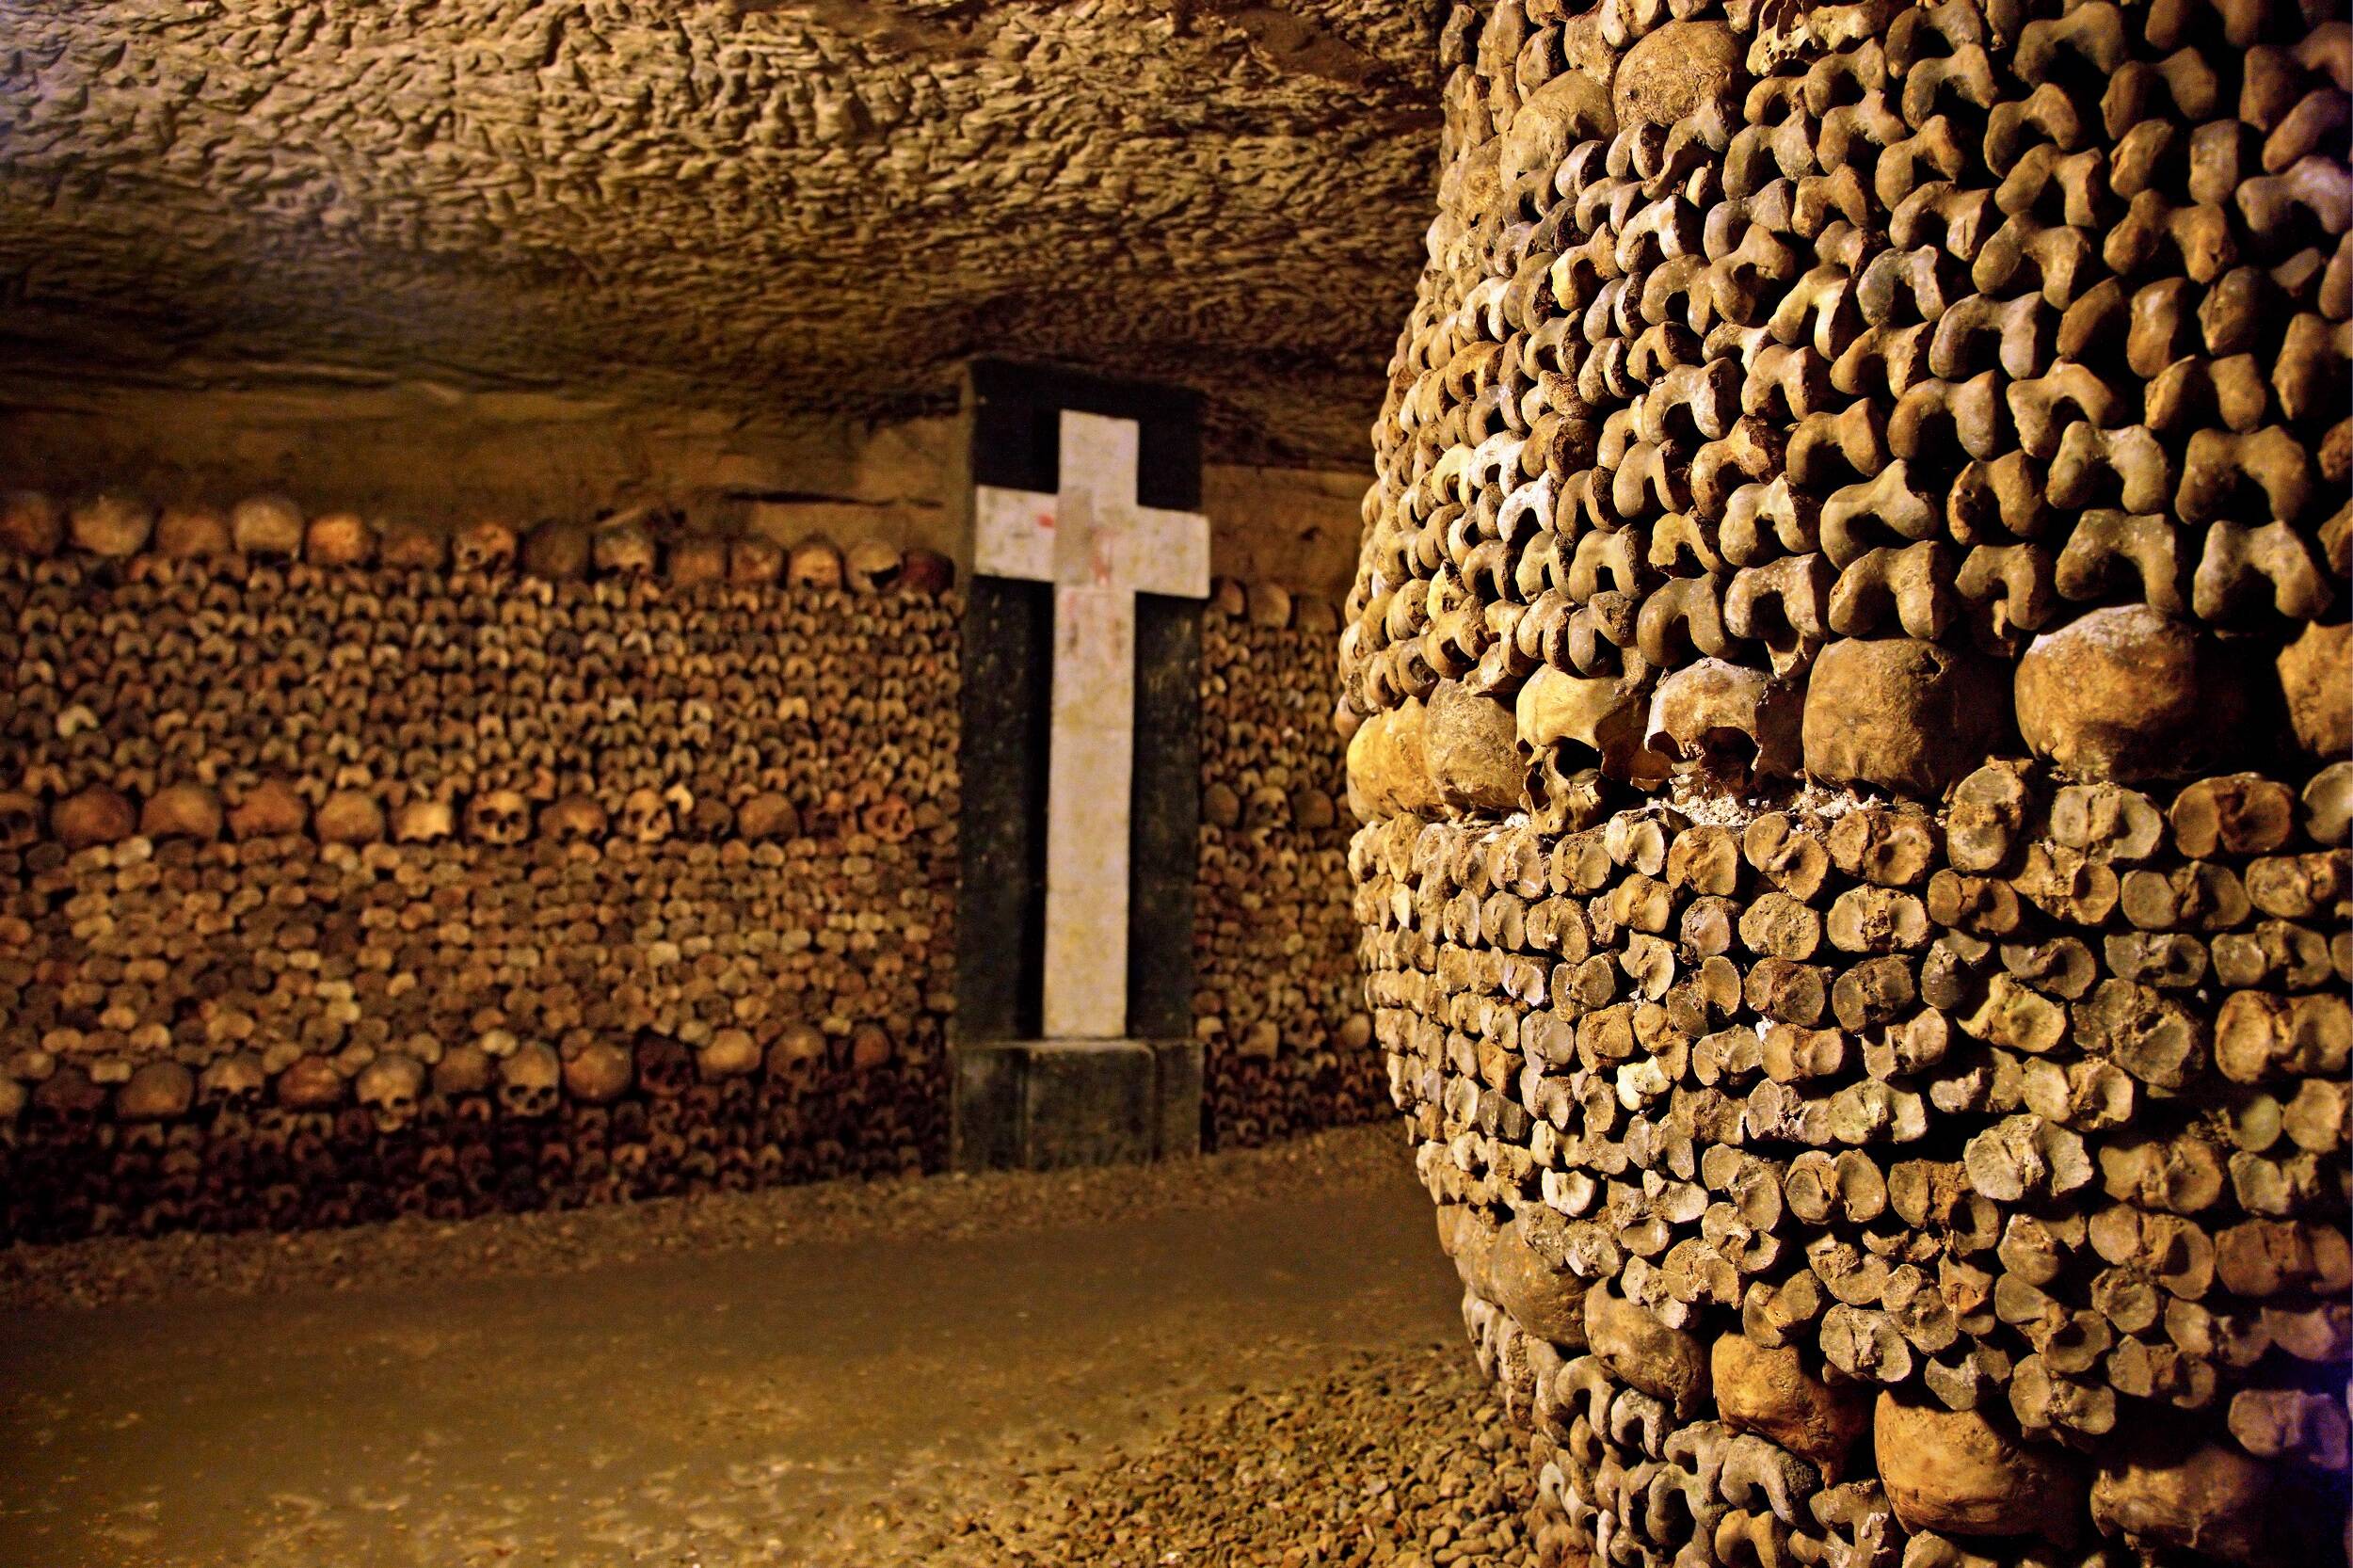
<point x="273" y="809"/>
<point x="115" y="525"/>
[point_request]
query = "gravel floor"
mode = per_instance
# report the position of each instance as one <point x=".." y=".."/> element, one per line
<point x="1398" y="1458"/>
<point x="1250" y="1359"/>
<point x="370" y="1257"/>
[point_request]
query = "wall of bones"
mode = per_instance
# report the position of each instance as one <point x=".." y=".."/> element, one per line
<point x="1281" y="1004"/>
<point x="1849" y="702"/>
<point x="350" y="871"/>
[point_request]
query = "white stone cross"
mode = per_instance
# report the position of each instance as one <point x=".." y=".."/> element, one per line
<point x="1100" y="548"/>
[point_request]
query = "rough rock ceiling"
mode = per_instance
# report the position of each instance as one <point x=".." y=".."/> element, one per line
<point x="818" y="204"/>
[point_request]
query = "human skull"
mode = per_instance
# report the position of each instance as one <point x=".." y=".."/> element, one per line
<point x="97" y="815"/>
<point x="871" y="567"/>
<point x="340" y="539"/>
<point x="186" y="532"/>
<point x="644" y="817"/>
<point x="113" y="525"/>
<point x="768" y="816"/>
<point x="598" y="1071"/>
<point x="698" y="560"/>
<point x="20" y="819"/>
<point x="1604" y="715"/>
<point x="69" y="1099"/>
<point x="484" y="546"/>
<point x="309" y="1083"/>
<point x="1267" y="806"/>
<point x="183" y="811"/>
<point x="156" y="1092"/>
<point x="497" y="817"/>
<point x="391" y="1087"/>
<point x="870" y="1047"/>
<point x="423" y="822"/>
<point x="754" y="563"/>
<point x="1725" y="720"/>
<point x="529" y="1080"/>
<point x="238" y="1080"/>
<point x="798" y="1052"/>
<point x="664" y="1068"/>
<point x="928" y="571"/>
<point x="556" y="550"/>
<point x="815" y="564"/>
<point x="30" y="524"/>
<point x="349" y="817"/>
<point x="730" y="1054"/>
<point x="1267" y="605"/>
<point x="270" y="809"/>
<point x="1566" y="799"/>
<point x="625" y="548"/>
<point x="267" y="526"/>
<point x="574" y="819"/>
<point x="412" y="547"/>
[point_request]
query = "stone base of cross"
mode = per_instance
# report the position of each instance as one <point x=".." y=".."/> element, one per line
<point x="1099" y="548"/>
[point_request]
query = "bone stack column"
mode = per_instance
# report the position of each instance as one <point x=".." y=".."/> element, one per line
<point x="1848" y="695"/>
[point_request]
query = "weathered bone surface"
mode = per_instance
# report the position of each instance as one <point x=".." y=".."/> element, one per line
<point x="1938" y="1158"/>
<point x="330" y="892"/>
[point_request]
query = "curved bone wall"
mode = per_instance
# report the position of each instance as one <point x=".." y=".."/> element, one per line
<point x="1847" y="696"/>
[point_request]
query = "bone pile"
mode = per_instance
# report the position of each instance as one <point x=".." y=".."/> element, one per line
<point x="1848" y="695"/>
<point x="347" y="876"/>
<point x="1279" y="1008"/>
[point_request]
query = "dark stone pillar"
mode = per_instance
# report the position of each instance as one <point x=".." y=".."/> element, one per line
<point x="1020" y="1100"/>
<point x="1001" y="837"/>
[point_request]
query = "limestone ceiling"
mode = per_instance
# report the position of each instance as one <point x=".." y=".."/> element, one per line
<point x="818" y="204"/>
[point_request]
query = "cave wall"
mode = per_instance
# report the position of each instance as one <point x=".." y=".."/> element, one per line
<point x="1849" y="694"/>
<point x="793" y="204"/>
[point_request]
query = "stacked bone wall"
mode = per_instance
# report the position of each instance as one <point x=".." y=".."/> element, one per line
<point x="337" y="891"/>
<point x="1848" y="693"/>
<point x="1279" y="1008"/>
<point x="347" y="873"/>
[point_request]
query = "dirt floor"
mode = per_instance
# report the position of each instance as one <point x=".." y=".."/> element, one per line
<point x="1253" y="1358"/>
